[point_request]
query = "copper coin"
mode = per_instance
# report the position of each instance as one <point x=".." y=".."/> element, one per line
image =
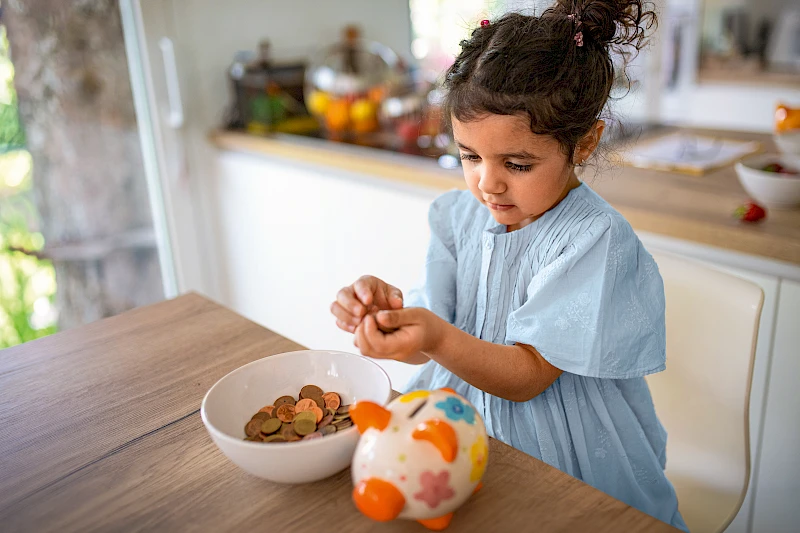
<point x="287" y="432"/>
<point x="312" y="436"/>
<point x="332" y="400"/>
<point x="311" y="390"/>
<point x="343" y="410"/>
<point x="293" y="438"/>
<point x="319" y="401"/>
<point x="327" y="430"/>
<point x="286" y="413"/>
<point x="284" y="400"/>
<point x="267" y="409"/>
<point x="327" y="419"/>
<point x="318" y="412"/>
<point x="306" y="404"/>
<point x="253" y="427"/>
<point x="261" y="415"/>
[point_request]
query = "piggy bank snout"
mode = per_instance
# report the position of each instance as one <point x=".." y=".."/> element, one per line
<point x="378" y="499"/>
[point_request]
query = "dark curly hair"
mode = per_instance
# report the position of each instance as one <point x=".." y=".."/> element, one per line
<point x="532" y="65"/>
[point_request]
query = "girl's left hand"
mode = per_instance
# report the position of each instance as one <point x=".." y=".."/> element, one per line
<point x="406" y="333"/>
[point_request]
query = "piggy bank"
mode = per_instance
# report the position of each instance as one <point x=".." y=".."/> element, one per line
<point x="419" y="458"/>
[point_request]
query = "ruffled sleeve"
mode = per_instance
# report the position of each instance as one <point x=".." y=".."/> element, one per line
<point x="437" y="290"/>
<point x="598" y="309"/>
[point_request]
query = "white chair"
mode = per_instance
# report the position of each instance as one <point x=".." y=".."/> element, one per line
<point x="703" y="397"/>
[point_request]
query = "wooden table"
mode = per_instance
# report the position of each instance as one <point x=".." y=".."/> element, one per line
<point x="100" y="430"/>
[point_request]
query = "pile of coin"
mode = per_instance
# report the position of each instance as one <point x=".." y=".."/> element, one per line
<point x="315" y="414"/>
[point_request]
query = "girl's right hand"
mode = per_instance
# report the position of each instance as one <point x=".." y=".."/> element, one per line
<point x="367" y="295"/>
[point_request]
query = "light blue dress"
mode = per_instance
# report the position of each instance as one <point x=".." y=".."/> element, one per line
<point x="578" y="286"/>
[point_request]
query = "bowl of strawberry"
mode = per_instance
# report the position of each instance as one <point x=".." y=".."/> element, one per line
<point x="772" y="180"/>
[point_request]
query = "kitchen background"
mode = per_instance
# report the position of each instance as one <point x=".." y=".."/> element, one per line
<point x="135" y="190"/>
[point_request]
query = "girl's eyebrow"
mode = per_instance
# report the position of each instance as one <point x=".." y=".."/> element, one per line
<point x="511" y="155"/>
<point x="520" y="155"/>
<point x="463" y="146"/>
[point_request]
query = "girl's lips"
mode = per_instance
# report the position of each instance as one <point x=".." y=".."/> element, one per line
<point x="499" y="207"/>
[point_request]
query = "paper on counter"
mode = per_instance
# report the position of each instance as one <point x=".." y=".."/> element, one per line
<point x="688" y="153"/>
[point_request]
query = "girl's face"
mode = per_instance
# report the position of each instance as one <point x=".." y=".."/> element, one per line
<point x="515" y="173"/>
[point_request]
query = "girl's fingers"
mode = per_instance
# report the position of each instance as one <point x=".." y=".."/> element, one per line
<point x="384" y="344"/>
<point x="345" y="326"/>
<point x="364" y="289"/>
<point x="360" y="338"/>
<point x="397" y="318"/>
<point x="394" y="297"/>
<point x="346" y="297"/>
<point x="371" y="340"/>
<point x="343" y="315"/>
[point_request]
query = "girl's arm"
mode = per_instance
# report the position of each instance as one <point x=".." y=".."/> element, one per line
<point x="517" y="373"/>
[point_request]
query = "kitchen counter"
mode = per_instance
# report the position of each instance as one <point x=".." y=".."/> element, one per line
<point x="692" y="208"/>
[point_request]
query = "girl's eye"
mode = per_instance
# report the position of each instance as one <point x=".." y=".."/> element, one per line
<point x="518" y="168"/>
<point x="470" y="157"/>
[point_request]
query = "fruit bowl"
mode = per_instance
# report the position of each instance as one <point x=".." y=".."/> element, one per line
<point x="788" y="143"/>
<point x="773" y="180"/>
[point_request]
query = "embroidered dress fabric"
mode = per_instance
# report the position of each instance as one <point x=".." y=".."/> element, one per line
<point x="577" y="285"/>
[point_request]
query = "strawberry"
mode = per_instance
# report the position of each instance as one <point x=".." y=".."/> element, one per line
<point x="750" y="212"/>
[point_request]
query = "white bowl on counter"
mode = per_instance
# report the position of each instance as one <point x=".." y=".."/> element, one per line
<point x="235" y="398"/>
<point x="788" y="143"/>
<point x="770" y="189"/>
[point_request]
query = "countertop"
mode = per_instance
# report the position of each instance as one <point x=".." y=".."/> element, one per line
<point x="692" y="208"/>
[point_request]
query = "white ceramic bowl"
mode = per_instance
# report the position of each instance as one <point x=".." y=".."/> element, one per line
<point x="768" y="188"/>
<point x="788" y="143"/>
<point x="235" y="398"/>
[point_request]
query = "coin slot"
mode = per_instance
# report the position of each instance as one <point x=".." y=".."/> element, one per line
<point x="417" y="410"/>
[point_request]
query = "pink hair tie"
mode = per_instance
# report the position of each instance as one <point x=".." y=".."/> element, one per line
<point x="576" y="19"/>
<point x="484" y="23"/>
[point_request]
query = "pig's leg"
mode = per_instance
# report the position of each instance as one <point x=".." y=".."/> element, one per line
<point x="437" y="524"/>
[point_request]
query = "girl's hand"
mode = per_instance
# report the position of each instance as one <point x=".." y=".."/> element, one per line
<point x="367" y="295"/>
<point x="403" y="335"/>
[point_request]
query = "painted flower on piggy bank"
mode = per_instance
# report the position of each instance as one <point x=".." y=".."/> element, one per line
<point x="419" y="458"/>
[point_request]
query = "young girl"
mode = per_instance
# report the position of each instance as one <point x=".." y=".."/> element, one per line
<point x="540" y="305"/>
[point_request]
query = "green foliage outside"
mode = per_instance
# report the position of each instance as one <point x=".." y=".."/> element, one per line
<point x="27" y="283"/>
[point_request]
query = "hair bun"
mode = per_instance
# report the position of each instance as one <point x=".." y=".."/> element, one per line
<point x="612" y="22"/>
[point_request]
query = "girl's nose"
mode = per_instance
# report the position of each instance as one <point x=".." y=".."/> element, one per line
<point x="491" y="181"/>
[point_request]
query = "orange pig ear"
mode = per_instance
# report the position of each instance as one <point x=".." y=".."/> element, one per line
<point x="367" y="415"/>
<point x="440" y="434"/>
<point x="378" y="499"/>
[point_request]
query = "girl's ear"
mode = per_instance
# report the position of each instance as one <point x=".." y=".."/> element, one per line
<point x="588" y="144"/>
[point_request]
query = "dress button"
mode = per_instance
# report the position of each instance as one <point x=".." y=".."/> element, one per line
<point x="487" y="244"/>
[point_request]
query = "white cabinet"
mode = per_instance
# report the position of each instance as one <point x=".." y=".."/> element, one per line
<point x="777" y="490"/>
<point x="296" y="235"/>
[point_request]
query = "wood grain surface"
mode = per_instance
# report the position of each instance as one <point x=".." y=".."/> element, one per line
<point x="101" y="432"/>
<point x="74" y="397"/>
<point x="693" y="208"/>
